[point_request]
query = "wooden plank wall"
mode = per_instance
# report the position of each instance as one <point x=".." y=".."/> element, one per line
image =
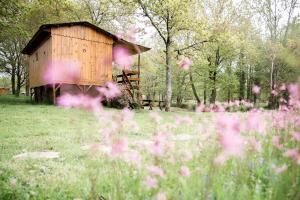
<point x="38" y="61"/>
<point x="92" y="50"/>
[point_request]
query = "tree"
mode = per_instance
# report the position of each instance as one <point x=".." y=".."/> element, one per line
<point x="12" y="40"/>
<point x="168" y="17"/>
<point x="105" y="13"/>
<point x="277" y="16"/>
<point x="26" y="18"/>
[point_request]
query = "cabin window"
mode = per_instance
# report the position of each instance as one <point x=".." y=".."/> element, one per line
<point x="36" y="56"/>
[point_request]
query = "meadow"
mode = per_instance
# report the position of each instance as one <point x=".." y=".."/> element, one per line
<point x="155" y="155"/>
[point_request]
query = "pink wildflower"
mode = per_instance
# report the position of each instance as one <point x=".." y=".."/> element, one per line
<point x="231" y="143"/>
<point x="276" y="142"/>
<point x="158" y="147"/>
<point x="185" y="63"/>
<point x="237" y="103"/>
<point x="150" y="182"/>
<point x="110" y="90"/>
<point x="184" y="171"/>
<point x="126" y="114"/>
<point x="122" y="57"/>
<point x="256" y="89"/>
<point x="79" y="101"/>
<point x="230" y="140"/>
<point x="293" y="90"/>
<point x="255" y="122"/>
<point x="280" y="120"/>
<point x="248" y="104"/>
<point x="296" y="136"/>
<point x="200" y="107"/>
<point x="68" y="101"/>
<point x="156" y="171"/>
<point x="133" y="157"/>
<point x="61" y="71"/>
<point x="292" y="153"/>
<point x="228" y="124"/>
<point x="281" y="169"/>
<point x="297" y="122"/>
<point x="282" y="87"/>
<point x="217" y="107"/>
<point x="118" y="147"/>
<point x="274" y="93"/>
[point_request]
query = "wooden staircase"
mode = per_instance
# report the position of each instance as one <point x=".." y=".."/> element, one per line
<point x="129" y="82"/>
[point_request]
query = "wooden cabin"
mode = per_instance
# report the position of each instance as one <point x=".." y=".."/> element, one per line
<point x="86" y="44"/>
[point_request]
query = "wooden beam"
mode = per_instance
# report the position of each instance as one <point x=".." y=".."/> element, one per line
<point x="58" y="86"/>
<point x="79" y="88"/>
<point x="90" y="86"/>
<point x="139" y="66"/>
<point x="54" y="94"/>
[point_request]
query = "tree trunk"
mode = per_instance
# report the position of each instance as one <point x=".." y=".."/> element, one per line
<point x="213" y="75"/>
<point x="228" y="95"/>
<point x="19" y="80"/>
<point x="180" y="83"/>
<point x="254" y="98"/>
<point x="168" y="79"/>
<point x="27" y="87"/>
<point x="249" y="85"/>
<point x="194" y="88"/>
<point x="18" y="90"/>
<point x="271" y="98"/>
<point x="178" y="101"/>
<point x="213" y="94"/>
<point x="242" y="81"/>
<point x="204" y="93"/>
<point x="13" y="81"/>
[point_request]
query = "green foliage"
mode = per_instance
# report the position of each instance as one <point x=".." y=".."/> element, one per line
<point x="4" y="82"/>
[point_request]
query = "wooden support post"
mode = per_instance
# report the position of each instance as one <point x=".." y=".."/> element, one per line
<point x="54" y="94"/>
<point x="30" y="91"/>
<point x="139" y="67"/>
<point x="139" y="95"/>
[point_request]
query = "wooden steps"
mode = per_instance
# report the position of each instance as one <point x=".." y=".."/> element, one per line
<point x="130" y="81"/>
<point x="128" y="73"/>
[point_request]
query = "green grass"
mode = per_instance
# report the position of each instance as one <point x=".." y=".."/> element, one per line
<point x="25" y="127"/>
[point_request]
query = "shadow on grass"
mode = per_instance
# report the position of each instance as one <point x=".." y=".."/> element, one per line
<point x="13" y="100"/>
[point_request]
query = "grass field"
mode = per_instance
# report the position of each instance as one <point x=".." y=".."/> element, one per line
<point x="87" y="174"/>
